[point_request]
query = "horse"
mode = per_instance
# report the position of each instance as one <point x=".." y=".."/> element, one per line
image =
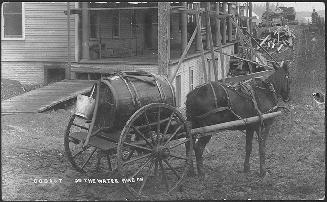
<point x="215" y="102"/>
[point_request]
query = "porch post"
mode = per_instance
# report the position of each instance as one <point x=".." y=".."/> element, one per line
<point x="85" y="31"/>
<point x="207" y="16"/>
<point x="67" y="70"/>
<point x="184" y="26"/>
<point x="217" y="33"/>
<point x="230" y="26"/>
<point x="163" y="37"/>
<point x="198" y="35"/>
<point x="224" y="24"/>
<point x="250" y="19"/>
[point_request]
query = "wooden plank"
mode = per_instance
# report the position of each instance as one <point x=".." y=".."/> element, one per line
<point x="237" y="79"/>
<point x="172" y="77"/>
<point x="46" y="97"/>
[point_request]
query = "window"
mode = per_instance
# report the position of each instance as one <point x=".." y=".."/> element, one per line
<point x="93" y="24"/>
<point x="116" y="24"/>
<point x="178" y="91"/>
<point x="191" y="79"/>
<point x="13" y="21"/>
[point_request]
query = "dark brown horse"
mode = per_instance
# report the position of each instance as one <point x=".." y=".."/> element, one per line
<point x="214" y="103"/>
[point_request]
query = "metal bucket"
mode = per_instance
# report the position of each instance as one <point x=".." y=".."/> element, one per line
<point x="85" y="105"/>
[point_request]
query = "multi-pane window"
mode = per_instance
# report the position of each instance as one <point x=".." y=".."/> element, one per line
<point x="12" y="20"/>
<point x="116" y="24"/>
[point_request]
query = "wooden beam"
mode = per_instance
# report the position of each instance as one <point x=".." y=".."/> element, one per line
<point x="198" y="27"/>
<point x="173" y="75"/>
<point x="210" y="42"/>
<point x="67" y="70"/>
<point x="229" y="25"/>
<point x="184" y="27"/>
<point x="224" y="24"/>
<point x="163" y="37"/>
<point x="250" y="17"/>
<point x="222" y="126"/>
<point x="85" y="31"/>
<point x="217" y="23"/>
<point x="237" y="79"/>
<point x="198" y="45"/>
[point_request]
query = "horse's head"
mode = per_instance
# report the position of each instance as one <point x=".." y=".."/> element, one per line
<point x="281" y="80"/>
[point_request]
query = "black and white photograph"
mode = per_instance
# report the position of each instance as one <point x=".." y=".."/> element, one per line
<point x="162" y="101"/>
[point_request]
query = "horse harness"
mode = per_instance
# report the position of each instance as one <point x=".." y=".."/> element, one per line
<point x="247" y="90"/>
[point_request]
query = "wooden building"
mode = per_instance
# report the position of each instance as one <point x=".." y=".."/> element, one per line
<point x="106" y="37"/>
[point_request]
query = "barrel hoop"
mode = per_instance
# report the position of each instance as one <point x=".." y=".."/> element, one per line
<point x="171" y="89"/>
<point x="136" y="95"/>
<point x="132" y="96"/>
<point x="214" y="94"/>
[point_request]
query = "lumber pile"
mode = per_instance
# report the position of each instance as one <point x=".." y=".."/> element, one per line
<point x="278" y="39"/>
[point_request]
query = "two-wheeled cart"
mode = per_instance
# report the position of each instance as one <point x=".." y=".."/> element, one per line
<point x="135" y="126"/>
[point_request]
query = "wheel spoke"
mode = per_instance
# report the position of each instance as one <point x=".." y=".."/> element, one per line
<point x="168" y="124"/>
<point x="142" y="136"/>
<point x="171" y="168"/>
<point x="181" y="142"/>
<point x="148" y="161"/>
<point x="175" y="132"/>
<point x="138" y="158"/>
<point x="137" y="146"/>
<point x="130" y="154"/>
<point x="158" y="124"/>
<point x="146" y="178"/>
<point x="164" y="175"/>
<point x="179" y="157"/>
<point x="88" y="159"/>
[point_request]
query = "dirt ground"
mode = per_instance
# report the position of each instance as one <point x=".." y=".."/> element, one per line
<point x="32" y="150"/>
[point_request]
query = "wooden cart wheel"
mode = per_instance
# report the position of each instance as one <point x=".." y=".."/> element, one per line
<point x="89" y="160"/>
<point x="151" y="154"/>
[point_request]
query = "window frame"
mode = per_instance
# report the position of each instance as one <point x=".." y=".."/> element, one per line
<point x="3" y="28"/>
<point x="113" y="36"/>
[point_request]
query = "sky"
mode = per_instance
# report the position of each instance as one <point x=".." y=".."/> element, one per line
<point x="301" y="6"/>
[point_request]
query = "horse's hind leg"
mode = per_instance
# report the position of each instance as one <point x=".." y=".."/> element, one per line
<point x="248" y="148"/>
<point x="191" y="169"/>
<point x="198" y="149"/>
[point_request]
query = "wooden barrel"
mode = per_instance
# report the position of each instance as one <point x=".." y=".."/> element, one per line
<point x="123" y="93"/>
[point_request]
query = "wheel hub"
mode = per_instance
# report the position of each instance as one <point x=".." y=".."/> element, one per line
<point x="161" y="152"/>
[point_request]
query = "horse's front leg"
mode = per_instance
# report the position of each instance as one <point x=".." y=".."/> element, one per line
<point x="248" y="148"/>
<point x="262" y="137"/>
<point x="198" y="149"/>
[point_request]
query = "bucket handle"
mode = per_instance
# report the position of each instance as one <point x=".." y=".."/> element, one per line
<point x="92" y="91"/>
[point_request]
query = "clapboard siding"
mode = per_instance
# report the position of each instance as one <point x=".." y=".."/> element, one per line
<point x="195" y="63"/>
<point x="45" y="35"/>
<point x="24" y="72"/>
